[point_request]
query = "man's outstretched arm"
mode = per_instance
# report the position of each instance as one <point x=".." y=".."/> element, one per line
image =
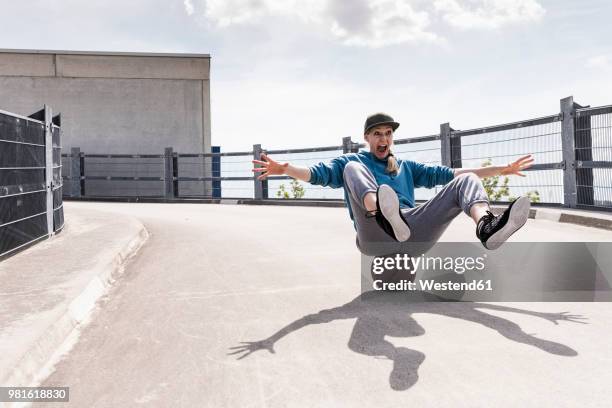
<point x="552" y="317"/>
<point x="321" y="174"/>
<point x="270" y="167"/>
<point x="246" y="348"/>
<point x="513" y="168"/>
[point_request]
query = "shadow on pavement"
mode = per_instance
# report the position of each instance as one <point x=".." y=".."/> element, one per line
<point x="381" y="314"/>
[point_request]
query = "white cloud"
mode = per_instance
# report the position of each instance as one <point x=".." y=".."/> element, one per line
<point x="372" y="23"/>
<point x="228" y="12"/>
<point x="488" y="14"/>
<point x="189" y="9"/>
<point x="599" y="62"/>
<point x="377" y="23"/>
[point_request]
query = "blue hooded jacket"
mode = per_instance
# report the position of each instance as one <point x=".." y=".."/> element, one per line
<point x="410" y="175"/>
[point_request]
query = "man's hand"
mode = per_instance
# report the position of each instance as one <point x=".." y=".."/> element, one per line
<point x="248" y="347"/>
<point x="516" y="167"/>
<point x="555" y="317"/>
<point x="269" y="167"/>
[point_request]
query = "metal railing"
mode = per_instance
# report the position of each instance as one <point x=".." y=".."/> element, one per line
<point x="572" y="151"/>
<point x="31" y="207"/>
<point x="593" y="145"/>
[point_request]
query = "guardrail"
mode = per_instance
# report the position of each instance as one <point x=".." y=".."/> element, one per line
<point x="572" y="151"/>
<point x="31" y="207"/>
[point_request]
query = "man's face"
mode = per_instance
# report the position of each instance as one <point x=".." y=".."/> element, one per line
<point x="380" y="139"/>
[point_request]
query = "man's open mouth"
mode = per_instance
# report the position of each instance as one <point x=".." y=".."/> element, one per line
<point x="382" y="148"/>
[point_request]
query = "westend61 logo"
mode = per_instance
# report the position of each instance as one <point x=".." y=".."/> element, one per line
<point x="397" y="272"/>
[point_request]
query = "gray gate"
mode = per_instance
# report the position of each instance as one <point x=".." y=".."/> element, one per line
<point x="31" y="206"/>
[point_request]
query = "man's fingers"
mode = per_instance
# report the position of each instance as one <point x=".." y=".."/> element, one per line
<point x="574" y="320"/>
<point x="262" y="177"/>
<point x="573" y="316"/>
<point x="246" y="355"/>
<point x="263" y="163"/>
<point x="527" y="163"/>
<point x="524" y="158"/>
<point x="238" y="347"/>
<point x="260" y="169"/>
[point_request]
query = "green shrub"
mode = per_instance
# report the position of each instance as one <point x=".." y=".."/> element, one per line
<point x="297" y="190"/>
<point x="497" y="187"/>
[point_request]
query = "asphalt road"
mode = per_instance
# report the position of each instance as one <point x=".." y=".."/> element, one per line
<point x="213" y="276"/>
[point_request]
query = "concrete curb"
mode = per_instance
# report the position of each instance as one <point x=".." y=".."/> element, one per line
<point x="594" y="222"/>
<point x="29" y="368"/>
<point x="566" y="216"/>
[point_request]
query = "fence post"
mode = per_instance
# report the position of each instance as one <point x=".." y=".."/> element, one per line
<point x="445" y="145"/>
<point x="583" y="139"/>
<point x="450" y="147"/>
<point x="168" y="173"/>
<point x="259" y="185"/>
<point x="49" y="167"/>
<point x="75" y="172"/>
<point x="216" y="171"/>
<point x="82" y="175"/>
<point x="346" y="144"/>
<point x="175" y="175"/>
<point x="568" y="111"/>
<point x="455" y="149"/>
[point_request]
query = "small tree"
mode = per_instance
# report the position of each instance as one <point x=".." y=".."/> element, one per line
<point x="297" y="190"/>
<point x="534" y="196"/>
<point x="497" y="187"/>
<point x="282" y="193"/>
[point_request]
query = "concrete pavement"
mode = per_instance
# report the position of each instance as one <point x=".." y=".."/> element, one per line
<point x="49" y="290"/>
<point x="286" y="279"/>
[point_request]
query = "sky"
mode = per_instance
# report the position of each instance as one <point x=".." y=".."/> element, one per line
<point x="307" y="73"/>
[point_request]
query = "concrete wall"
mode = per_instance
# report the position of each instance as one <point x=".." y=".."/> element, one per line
<point x="117" y="103"/>
<point x="114" y="102"/>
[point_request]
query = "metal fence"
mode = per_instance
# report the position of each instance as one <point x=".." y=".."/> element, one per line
<point x="31" y="207"/>
<point x="572" y="151"/>
<point x="593" y="146"/>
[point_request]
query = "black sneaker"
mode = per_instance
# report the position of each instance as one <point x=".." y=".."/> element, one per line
<point x="494" y="230"/>
<point x="388" y="215"/>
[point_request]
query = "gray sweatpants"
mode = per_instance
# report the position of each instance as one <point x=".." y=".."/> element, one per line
<point x="427" y="222"/>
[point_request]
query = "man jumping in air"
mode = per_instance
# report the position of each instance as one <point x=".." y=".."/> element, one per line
<point x="379" y="192"/>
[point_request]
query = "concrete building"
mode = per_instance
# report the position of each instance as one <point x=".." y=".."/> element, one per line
<point x="113" y="102"/>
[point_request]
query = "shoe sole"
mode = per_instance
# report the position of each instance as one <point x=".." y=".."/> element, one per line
<point x="519" y="213"/>
<point x="389" y="206"/>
